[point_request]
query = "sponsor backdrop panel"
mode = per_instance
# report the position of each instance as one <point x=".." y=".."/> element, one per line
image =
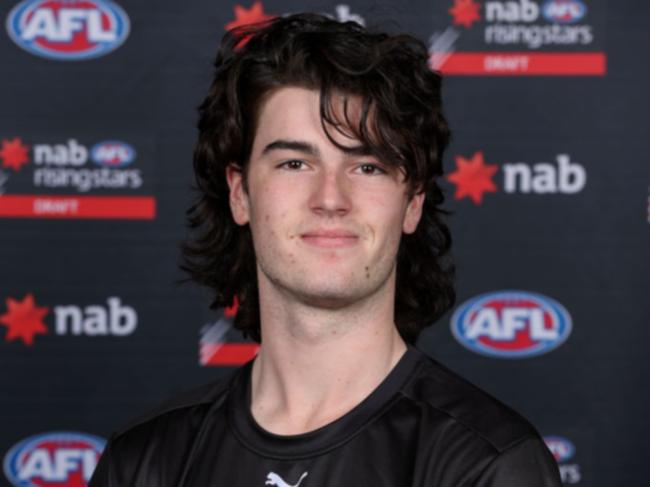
<point x="547" y="179"/>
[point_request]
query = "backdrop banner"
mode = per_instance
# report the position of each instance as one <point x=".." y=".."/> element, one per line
<point x="547" y="180"/>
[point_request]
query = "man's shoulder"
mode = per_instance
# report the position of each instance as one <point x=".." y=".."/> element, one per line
<point x="469" y="408"/>
<point x="161" y="437"/>
<point x="185" y="409"/>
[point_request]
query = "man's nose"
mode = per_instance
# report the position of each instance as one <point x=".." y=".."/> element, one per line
<point x="330" y="195"/>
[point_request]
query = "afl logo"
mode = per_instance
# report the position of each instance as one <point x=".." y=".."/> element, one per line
<point x="112" y="153"/>
<point x="68" y="30"/>
<point x="511" y="324"/>
<point x="61" y="459"/>
<point x="561" y="448"/>
<point x="564" y="11"/>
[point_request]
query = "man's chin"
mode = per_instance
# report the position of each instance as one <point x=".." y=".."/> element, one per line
<point x="326" y="288"/>
<point x="330" y="297"/>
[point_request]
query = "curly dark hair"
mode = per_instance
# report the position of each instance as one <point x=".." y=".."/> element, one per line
<point x="401" y="123"/>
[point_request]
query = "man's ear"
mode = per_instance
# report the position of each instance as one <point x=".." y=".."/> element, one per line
<point x="239" y="205"/>
<point x="413" y="213"/>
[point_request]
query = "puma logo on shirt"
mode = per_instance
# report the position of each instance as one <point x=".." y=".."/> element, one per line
<point x="274" y="479"/>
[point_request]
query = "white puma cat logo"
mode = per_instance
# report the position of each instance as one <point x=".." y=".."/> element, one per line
<point x="274" y="479"/>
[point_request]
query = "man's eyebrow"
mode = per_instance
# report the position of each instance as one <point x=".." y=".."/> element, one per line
<point x="294" y="145"/>
<point x="312" y="150"/>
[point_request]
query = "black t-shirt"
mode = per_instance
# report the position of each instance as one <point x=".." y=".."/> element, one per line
<point x="423" y="426"/>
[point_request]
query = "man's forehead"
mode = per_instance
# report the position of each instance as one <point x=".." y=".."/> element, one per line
<point x="290" y="118"/>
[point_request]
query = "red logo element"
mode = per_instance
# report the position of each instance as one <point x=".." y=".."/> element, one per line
<point x="56" y="459"/>
<point x="95" y="207"/>
<point x="524" y="63"/>
<point x="14" y="153"/>
<point x="68" y="29"/>
<point x="24" y="319"/>
<point x="231" y="311"/>
<point x="245" y="16"/>
<point x="215" y="350"/>
<point x="511" y="324"/>
<point x="465" y="12"/>
<point x="473" y="177"/>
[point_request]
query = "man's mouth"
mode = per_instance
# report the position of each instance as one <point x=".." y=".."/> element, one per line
<point x="330" y="238"/>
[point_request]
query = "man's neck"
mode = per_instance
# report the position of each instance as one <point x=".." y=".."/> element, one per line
<point x="315" y="365"/>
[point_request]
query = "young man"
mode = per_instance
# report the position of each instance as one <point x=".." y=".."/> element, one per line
<point x="319" y="149"/>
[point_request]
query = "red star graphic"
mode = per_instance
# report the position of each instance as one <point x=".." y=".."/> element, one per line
<point x="465" y="12"/>
<point x="24" y="319"/>
<point x="14" y="153"/>
<point x="473" y="177"/>
<point x="245" y="17"/>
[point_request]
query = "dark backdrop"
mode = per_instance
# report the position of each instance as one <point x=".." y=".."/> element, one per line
<point x="548" y="185"/>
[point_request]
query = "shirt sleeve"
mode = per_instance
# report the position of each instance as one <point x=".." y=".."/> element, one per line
<point x="528" y="463"/>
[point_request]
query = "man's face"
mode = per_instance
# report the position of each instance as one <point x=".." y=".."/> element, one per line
<point x="326" y="224"/>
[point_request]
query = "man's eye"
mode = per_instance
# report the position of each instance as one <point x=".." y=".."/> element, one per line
<point x="293" y="164"/>
<point x="371" y="169"/>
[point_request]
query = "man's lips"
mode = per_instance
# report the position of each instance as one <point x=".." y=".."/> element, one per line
<point x="330" y="238"/>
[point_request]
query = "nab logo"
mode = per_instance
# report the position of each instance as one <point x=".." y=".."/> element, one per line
<point x="511" y="324"/>
<point x="561" y="448"/>
<point x="112" y="153"/>
<point x="68" y="30"/>
<point x="564" y="11"/>
<point x="24" y="319"/>
<point x="61" y="459"/>
<point x="473" y="177"/>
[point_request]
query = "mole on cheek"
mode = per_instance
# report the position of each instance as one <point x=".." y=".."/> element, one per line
<point x="367" y="272"/>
